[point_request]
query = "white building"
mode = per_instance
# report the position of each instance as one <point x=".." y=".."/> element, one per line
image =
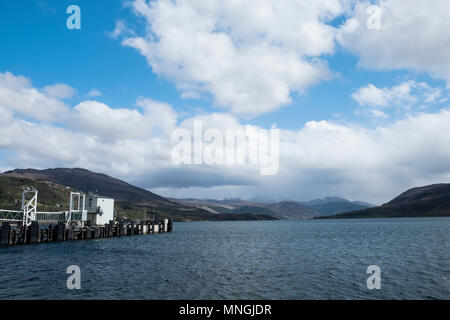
<point x="100" y="210"/>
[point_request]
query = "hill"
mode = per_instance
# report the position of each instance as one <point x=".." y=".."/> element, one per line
<point x="51" y="197"/>
<point x="293" y="210"/>
<point x="280" y="209"/>
<point x="334" y="205"/>
<point x="54" y="186"/>
<point x="88" y="181"/>
<point x="427" y="201"/>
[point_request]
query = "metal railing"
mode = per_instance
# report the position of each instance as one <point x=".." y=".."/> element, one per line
<point x="10" y="215"/>
<point x="45" y="217"/>
<point x="29" y="211"/>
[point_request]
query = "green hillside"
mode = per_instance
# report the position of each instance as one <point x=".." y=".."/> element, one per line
<point x="53" y="197"/>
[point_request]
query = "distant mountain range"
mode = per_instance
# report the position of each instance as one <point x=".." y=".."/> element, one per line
<point x="334" y="205"/>
<point x="131" y="201"/>
<point x="134" y="202"/>
<point x="280" y="210"/>
<point x="428" y="201"/>
<point x="284" y="209"/>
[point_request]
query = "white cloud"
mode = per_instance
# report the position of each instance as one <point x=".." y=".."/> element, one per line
<point x="109" y="124"/>
<point x="378" y="114"/>
<point x="59" y="90"/>
<point x="250" y="56"/>
<point x="321" y="158"/>
<point x="120" y="29"/>
<point x="94" y="93"/>
<point x="18" y="96"/>
<point x="405" y="96"/>
<point x="385" y="97"/>
<point x="413" y="35"/>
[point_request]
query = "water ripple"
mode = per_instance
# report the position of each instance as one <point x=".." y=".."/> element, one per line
<point x="242" y="260"/>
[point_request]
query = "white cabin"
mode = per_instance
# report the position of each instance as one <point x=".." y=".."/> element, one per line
<point x="100" y="210"/>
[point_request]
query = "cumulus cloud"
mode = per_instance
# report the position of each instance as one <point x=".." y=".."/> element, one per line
<point x="412" y="35"/>
<point x="110" y="124"/>
<point x="319" y="159"/>
<point x="59" y="90"/>
<point x="19" y="97"/>
<point x="239" y="52"/>
<point x="93" y="93"/>
<point x="405" y="95"/>
<point x="120" y="29"/>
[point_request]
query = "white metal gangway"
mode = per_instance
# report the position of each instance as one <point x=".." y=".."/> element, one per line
<point x="29" y="213"/>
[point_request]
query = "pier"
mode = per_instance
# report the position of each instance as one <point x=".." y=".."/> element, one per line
<point x="85" y="220"/>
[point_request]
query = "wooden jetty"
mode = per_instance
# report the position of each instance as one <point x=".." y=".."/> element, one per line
<point x="35" y="233"/>
<point x="90" y="219"/>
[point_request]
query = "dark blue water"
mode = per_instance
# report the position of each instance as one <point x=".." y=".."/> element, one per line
<point x="242" y="260"/>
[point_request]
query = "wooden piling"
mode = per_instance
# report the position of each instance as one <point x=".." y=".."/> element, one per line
<point x="4" y="234"/>
<point x="69" y="233"/>
<point x="34" y="232"/>
<point x="111" y="228"/>
<point x="96" y="234"/>
<point x="60" y="231"/>
<point x="12" y="237"/>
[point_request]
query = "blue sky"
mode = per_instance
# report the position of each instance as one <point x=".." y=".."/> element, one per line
<point x="37" y="45"/>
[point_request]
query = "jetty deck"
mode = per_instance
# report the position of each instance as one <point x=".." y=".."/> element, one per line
<point x="84" y="220"/>
<point x="11" y="234"/>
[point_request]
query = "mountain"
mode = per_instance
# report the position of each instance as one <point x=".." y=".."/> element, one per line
<point x="88" y="181"/>
<point x="293" y="210"/>
<point x="427" y="201"/>
<point x="131" y="201"/>
<point x="334" y="205"/>
<point x="280" y="209"/>
<point x="52" y="197"/>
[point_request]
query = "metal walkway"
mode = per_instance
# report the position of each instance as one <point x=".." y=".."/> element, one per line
<point x="29" y="211"/>
<point x="41" y="217"/>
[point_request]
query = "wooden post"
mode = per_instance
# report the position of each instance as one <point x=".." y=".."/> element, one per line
<point x="50" y="233"/>
<point x="145" y="228"/>
<point x="70" y="233"/>
<point x="110" y="228"/>
<point x="4" y="234"/>
<point x="12" y="237"/>
<point x="34" y="232"/>
<point x="60" y="231"/>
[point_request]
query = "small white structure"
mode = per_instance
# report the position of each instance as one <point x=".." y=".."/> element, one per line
<point x="77" y="205"/>
<point x="100" y="210"/>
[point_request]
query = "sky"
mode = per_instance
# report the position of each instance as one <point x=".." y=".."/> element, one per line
<point x="357" y="89"/>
